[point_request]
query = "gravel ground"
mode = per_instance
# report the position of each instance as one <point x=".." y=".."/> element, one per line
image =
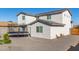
<point x="38" y="44"/>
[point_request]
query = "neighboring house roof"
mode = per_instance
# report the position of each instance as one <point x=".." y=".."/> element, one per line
<point x="24" y="14"/>
<point x="7" y="24"/>
<point x="53" y="12"/>
<point x="50" y="23"/>
<point x="75" y="26"/>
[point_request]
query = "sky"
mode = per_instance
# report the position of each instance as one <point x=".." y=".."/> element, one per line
<point x="9" y="14"/>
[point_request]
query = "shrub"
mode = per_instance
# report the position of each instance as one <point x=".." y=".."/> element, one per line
<point x="1" y="41"/>
<point x="6" y="36"/>
<point x="6" y="39"/>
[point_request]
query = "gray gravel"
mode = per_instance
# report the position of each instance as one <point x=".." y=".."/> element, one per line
<point x="38" y="44"/>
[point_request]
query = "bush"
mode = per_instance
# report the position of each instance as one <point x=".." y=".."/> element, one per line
<point x="6" y="36"/>
<point x="1" y="41"/>
<point x="6" y="39"/>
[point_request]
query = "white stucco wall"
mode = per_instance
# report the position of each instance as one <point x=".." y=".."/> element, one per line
<point x="28" y="19"/>
<point x="56" y="31"/>
<point x="46" y="31"/>
<point x="67" y="22"/>
<point x="67" y="18"/>
<point x="56" y="18"/>
<point x="64" y="18"/>
<point x="49" y="32"/>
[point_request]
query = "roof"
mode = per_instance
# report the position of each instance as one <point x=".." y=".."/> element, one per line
<point x="46" y="13"/>
<point x="50" y="23"/>
<point x="53" y="12"/>
<point x="75" y="26"/>
<point x="7" y="24"/>
<point x="24" y="14"/>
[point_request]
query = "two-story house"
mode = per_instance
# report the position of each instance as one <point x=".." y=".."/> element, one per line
<point x="47" y="25"/>
<point x="24" y="19"/>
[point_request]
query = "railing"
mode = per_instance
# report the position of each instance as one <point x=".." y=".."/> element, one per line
<point x="15" y="34"/>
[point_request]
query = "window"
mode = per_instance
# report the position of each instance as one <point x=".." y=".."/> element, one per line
<point x="39" y="29"/>
<point x="66" y="15"/>
<point x="23" y="17"/>
<point x="48" y="17"/>
<point x="22" y="29"/>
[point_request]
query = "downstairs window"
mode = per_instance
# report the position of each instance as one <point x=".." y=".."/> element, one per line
<point x="39" y="29"/>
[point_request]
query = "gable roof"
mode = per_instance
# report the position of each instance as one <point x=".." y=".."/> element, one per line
<point x="50" y="23"/>
<point x="46" y="13"/>
<point x="54" y="12"/>
<point x="24" y="14"/>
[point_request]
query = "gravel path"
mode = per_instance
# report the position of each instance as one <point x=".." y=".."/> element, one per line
<point x="37" y="44"/>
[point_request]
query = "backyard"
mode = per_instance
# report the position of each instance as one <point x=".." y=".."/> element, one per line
<point x="38" y="44"/>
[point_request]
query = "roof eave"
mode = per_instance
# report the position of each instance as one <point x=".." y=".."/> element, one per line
<point x="24" y="14"/>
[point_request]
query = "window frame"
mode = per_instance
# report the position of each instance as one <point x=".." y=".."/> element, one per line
<point x="23" y="17"/>
<point x="48" y="17"/>
<point x="39" y="29"/>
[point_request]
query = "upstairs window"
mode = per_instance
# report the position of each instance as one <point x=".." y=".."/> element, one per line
<point x="23" y="17"/>
<point x="66" y="16"/>
<point x="48" y="17"/>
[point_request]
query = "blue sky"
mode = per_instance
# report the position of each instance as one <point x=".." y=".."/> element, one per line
<point x="9" y="14"/>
